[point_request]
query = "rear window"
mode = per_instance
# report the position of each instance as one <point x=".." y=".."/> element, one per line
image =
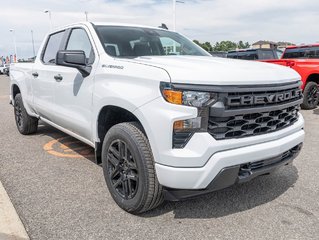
<point x="253" y="55"/>
<point x="248" y="55"/>
<point x="264" y="55"/>
<point x="305" y="52"/>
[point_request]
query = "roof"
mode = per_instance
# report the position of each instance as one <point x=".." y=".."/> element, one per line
<point x="250" y="50"/>
<point x="305" y="45"/>
<point x="108" y="24"/>
<point x="261" y="42"/>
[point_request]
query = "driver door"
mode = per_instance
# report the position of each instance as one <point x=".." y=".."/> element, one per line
<point x="73" y="92"/>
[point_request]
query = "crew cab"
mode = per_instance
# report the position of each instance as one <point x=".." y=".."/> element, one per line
<point x="305" y="60"/>
<point x="166" y="120"/>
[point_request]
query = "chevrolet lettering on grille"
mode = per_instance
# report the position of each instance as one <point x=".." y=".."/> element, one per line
<point x="264" y="98"/>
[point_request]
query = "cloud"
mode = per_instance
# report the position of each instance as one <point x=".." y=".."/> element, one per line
<point x="205" y="20"/>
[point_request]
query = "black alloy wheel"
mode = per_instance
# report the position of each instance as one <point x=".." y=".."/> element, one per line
<point x="25" y="123"/>
<point x="311" y="96"/>
<point x="122" y="169"/>
<point x="18" y="115"/>
<point x="129" y="168"/>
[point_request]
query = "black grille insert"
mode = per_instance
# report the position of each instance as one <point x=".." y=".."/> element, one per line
<point x="252" y="124"/>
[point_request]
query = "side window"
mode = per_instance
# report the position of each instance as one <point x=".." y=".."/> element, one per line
<point x="79" y="40"/>
<point x="52" y="47"/>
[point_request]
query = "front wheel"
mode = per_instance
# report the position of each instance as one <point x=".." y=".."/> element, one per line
<point x="311" y="96"/>
<point x="129" y="171"/>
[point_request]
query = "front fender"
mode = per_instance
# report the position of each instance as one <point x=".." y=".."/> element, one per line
<point x="129" y="88"/>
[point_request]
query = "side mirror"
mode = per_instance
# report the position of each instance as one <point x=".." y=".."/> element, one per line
<point x="75" y="59"/>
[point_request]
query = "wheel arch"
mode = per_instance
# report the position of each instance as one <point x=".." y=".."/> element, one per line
<point x="109" y="116"/>
<point x="15" y="89"/>
<point x="313" y="77"/>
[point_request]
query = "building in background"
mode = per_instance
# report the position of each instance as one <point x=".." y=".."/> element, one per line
<point x="265" y="44"/>
<point x="272" y="45"/>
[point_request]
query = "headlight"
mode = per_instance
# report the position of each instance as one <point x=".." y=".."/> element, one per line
<point x="184" y="129"/>
<point x="189" y="98"/>
<point x="197" y="99"/>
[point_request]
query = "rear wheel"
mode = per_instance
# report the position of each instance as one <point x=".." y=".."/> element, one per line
<point x="25" y="123"/>
<point x="129" y="170"/>
<point x="311" y="96"/>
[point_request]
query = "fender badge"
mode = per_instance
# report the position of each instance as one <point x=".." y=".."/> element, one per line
<point x="112" y="66"/>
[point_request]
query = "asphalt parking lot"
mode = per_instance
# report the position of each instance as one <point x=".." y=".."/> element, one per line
<point x="59" y="193"/>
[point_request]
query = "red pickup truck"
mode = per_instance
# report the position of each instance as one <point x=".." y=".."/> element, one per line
<point x="305" y="60"/>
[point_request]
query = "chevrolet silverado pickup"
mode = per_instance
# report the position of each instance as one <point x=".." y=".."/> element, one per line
<point x="305" y="60"/>
<point x="167" y="121"/>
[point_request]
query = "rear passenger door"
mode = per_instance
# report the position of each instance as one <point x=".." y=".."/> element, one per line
<point x="73" y="92"/>
<point x="43" y="82"/>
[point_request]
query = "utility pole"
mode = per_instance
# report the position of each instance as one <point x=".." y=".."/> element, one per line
<point x="86" y="16"/>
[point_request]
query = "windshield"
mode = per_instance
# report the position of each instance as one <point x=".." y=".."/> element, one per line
<point x="131" y="42"/>
<point x="305" y="52"/>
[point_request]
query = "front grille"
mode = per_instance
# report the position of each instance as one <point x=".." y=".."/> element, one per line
<point x="244" y="125"/>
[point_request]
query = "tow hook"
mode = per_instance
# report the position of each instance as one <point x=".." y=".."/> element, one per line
<point x="245" y="171"/>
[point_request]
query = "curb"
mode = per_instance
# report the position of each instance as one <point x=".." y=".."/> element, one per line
<point x="11" y="227"/>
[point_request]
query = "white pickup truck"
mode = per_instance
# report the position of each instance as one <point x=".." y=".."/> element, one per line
<point x="166" y="119"/>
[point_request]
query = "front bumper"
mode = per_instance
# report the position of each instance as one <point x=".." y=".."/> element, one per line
<point x="201" y="177"/>
<point x="236" y="174"/>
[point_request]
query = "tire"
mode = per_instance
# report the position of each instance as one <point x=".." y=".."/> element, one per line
<point x="311" y="96"/>
<point x="25" y="123"/>
<point x="129" y="171"/>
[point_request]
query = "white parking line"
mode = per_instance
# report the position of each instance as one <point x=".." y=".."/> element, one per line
<point x="11" y="227"/>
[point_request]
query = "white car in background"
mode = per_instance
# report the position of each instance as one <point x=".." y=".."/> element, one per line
<point x="4" y="69"/>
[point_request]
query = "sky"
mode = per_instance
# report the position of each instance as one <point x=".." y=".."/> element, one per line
<point x="204" y="20"/>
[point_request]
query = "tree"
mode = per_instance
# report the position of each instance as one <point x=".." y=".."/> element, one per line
<point x="242" y="45"/>
<point x="223" y="46"/>
<point x="207" y="46"/>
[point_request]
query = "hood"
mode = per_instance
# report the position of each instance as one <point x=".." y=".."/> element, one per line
<point x="208" y="70"/>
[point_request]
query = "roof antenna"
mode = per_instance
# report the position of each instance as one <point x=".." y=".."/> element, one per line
<point x="163" y="26"/>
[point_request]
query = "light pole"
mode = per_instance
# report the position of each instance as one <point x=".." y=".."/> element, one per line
<point x="86" y="16"/>
<point x="174" y="20"/>
<point x="174" y="13"/>
<point x="32" y="43"/>
<point x="14" y="42"/>
<point x="49" y="12"/>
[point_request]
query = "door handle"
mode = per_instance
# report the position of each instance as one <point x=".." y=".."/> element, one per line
<point x="58" y="78"/>
<point x="35" y="74"/>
